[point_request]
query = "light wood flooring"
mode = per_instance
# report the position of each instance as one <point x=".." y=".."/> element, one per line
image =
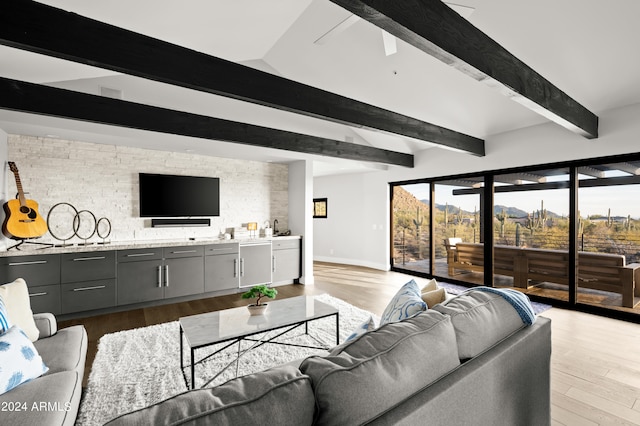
<point x="595" y="371"/>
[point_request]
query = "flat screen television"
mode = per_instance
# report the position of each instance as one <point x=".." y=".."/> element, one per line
<point x="178" y="196"/>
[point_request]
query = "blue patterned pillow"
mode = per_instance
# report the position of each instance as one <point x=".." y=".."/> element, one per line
<point x="19" y="360"/>
<point x="5" y="325"/>
<point x="405" y="304"/>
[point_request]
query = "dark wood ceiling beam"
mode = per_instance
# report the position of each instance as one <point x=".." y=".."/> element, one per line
<point x="44" y="100"/>
<point x="436" y="29"/>
<point x="47" y="30"/>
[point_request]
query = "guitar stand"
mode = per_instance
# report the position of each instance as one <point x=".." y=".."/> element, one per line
<point x="17" y="246"/>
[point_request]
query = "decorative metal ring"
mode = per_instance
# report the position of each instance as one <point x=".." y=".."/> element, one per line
<point x="48" y="221"/>
<point x="104" y="237"/>
<point x="76" y="224"/>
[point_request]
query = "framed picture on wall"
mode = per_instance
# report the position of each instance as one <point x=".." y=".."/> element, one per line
<point x="320" y="208"/>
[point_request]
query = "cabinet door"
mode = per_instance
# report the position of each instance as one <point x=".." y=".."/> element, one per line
<point x="140" y="281"/>
<point x="85" y="296"/>
<point x="183" y="276"/>
<point x="45" y="298"/>
<point x="37" y="270"/>
<point x="88" y="266"/>
<point x="221" y="272"/>
<point x="255" y="264"/>
<point x="286" y="265"/>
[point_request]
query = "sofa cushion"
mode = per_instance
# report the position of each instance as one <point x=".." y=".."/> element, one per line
<point x="358" y="381"/>
<point x="279" y="396"/>
<point x="64" y="351"/>
<point x="404" y="304"/>
<point x="19" y="360"/>
<point x="16" y="299"/>
<point x="49" y="400"/>
<point x="480" y="319"/>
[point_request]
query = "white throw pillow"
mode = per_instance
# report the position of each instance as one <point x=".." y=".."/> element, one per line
<point x="16" y="300"/>
<point x="19" y="359"/>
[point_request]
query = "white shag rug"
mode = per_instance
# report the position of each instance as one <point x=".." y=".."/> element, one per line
<point x="139" y="367"/>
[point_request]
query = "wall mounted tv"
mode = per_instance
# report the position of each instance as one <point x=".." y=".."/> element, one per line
<point x="178" y="196"/>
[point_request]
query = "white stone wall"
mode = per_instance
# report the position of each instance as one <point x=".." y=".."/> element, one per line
<point x="104" y="180"/>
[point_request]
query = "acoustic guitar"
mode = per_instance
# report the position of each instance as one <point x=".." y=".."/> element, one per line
<point x="22" y="219"/>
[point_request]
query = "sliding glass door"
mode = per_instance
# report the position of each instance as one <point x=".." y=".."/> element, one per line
<point x="411" y="231"/>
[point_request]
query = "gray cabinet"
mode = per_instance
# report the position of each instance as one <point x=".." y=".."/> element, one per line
<point x="88" y="281"/>
<point x="221" y="267"/>
<point x="255" y="264"/>
<point x="139" y="276"/>
<point x="42" y="275"/>
<point x="183" y="271"/>
<point x="152" y="274"/>
<point x="286" y="260"/>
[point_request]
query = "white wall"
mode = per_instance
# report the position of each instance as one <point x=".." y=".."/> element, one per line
<point x="357" y="203"/>
<point x="300" y="212"/>
<point x="356" y="222"/>
<point x="104" y="180"/>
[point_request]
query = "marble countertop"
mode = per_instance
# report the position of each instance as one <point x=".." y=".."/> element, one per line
<point x="27" y="250"/>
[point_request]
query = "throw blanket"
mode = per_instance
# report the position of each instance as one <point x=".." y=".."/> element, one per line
<point x="518" y="300"/>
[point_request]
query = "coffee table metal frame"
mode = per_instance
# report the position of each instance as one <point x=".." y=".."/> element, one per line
<point x="288" y="324"/>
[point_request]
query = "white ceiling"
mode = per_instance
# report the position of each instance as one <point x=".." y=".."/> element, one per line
<point x="585" y="47"/>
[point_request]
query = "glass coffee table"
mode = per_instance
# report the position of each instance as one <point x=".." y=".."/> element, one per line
<point x="235" y="325"/>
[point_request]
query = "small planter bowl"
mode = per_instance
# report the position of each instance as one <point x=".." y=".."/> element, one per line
<point x="257" y="309"/>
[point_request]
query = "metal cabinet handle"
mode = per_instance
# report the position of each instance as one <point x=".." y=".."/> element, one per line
<point x="183" y="251"/>
<point x="44" y="293"/>
<point x="242" y="267"/>
<point x="166" y="275"/>
<point x="33" y="262"/>
<point x="82" y="259"/>
<point x="159" y="276"/>
<point x="140" y="254"/>
<point x="273" y="263"/>
<point x="95" y="287"/>
<point x="235" y="268"/>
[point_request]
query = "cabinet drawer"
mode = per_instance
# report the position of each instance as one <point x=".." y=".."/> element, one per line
<point x="285" y="244"/>
<point x="186" y="251"/>
<point x="36" y="270"/>
<point x="45" y="298"/>
<point x="88" y="266"/>
<point x="137" y="255"/>
<point x="89" y="295"/>
<point x="227" y="248"/>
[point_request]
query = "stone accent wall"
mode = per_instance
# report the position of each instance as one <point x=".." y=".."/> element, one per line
<point x="104" y="180"/>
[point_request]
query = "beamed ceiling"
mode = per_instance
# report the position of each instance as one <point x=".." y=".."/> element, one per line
<point x="351" y="84"/>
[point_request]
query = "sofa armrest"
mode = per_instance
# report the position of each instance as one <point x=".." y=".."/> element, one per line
<point x="46" y="323"/>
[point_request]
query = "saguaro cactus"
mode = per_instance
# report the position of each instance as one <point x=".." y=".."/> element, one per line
<point x="418" y="221"/>
<point x="501" y="218"/>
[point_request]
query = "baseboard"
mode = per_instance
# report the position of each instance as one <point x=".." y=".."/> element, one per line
<point x="353" y="262"/>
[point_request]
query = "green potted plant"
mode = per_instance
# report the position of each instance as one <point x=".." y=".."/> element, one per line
<point x="259" y="292"/>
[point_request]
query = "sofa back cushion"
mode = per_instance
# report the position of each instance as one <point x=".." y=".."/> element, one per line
<point x="278" y="396"/>
<point x="480" y="319"/>
<point x="358" y="381"/>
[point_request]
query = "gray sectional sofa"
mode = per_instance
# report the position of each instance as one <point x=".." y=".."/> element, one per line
<point x="469" y="361"/>
<point x="54" y="398"/>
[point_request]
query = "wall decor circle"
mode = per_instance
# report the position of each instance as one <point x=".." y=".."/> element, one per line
<point x="85" y="228"/>
<point x="103" y="223"/>
<point x="60" y="221"/>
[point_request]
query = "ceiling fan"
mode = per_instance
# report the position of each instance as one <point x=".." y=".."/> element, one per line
<point x="388" y="40"/>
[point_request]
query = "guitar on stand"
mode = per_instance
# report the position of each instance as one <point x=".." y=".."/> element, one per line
<point x="22" y="221"/>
